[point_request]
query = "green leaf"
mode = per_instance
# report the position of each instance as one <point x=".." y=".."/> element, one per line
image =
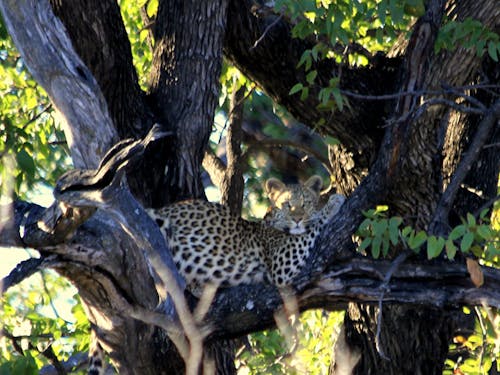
<point x="296" y="88"/>
<point x="331" y="141"/>
<point x="466" y="242"/>
<point x="339" y="100"/>
<point x="457" y="232"/>
<point x="451" y="249"/>
<point x="483" y="213"/>
<point x="152" y="8"/>
<point x="406" y="231"/>
<point x="26" y="163"/>
<point x="471" y="220"/>
<point x="377" y="241"/>
<point x="311" y="76"/>
<point x="434" y="246"/>
<point x="415" y="242"/>
<point x="365" y="243"/>
<point x="304" y="94"/>
<point x="394" y="223"/>
<point x="379" y="227"/>
<point x="364" y="228"/>
<point x="385" y="246"/>
<point x="484" y="231"/>
<point x="382" y="8"/>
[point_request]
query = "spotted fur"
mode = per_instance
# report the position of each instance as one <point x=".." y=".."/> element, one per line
<point x="211" y="245"/>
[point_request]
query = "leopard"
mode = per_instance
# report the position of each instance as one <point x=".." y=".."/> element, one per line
<point x="211" y="245"/>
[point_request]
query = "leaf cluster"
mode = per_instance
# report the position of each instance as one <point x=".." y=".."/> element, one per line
<point x="478" y="352"/>
<point x="32" y="324"/>
<point x="32" y="146"/>
<point x="347" y="31"/>
<point x="470" y="34"/>
<point x="310" y="351"/>
<point x="475" y="236"/>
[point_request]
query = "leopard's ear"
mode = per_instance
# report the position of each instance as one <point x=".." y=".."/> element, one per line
<point x="273" y="184"/>
<point x="315" y="183"/>
<point x="273" y="188"/>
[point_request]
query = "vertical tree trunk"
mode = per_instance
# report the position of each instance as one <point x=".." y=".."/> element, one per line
<point x="184" y="85"/>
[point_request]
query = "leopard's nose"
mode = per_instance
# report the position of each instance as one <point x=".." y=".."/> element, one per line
<point x="297" y="213"/>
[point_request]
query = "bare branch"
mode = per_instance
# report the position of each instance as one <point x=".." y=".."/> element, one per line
<point x="383" y="288"/>
<point x="22" y="271"/>
<point x="233" y="185"/>
<point x="269" y="27"/>
<point x="457" y="91"/>
<point x="214" y="166"/>
<point x="439" y="223"/>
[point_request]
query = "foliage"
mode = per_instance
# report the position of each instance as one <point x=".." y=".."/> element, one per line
<point x="349" y="32"/>
<point x="479" y="352"/>
<point x="139" y="34"/>
<point x="28" y="132"/>
<point x="476" y="236"/>
<point x="270" y="351"/>
<point x="473" y="353"/>
<point x="36" y="318"/>
<point x="469" y="33"/>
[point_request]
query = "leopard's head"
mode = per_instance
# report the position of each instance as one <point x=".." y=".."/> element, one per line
<point x="292" y="205"/>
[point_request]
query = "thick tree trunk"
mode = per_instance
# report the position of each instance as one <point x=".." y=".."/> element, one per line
<point x="184" y="85"/>
<point x="109" y="268"/>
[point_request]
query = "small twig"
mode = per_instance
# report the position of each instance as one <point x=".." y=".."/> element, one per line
<point x="51" y="301"/>
<point x="37" y="116"/>
<point x="488" y="203"/>
<point x="148" y="25"/>
<point x="490" y="145"/>
<point x="275" y="22"/>
<point x="398" y="95"/>
<point x="457" y="92"/>
<point x="449" y="103"/>
<point x="484" y="336"/>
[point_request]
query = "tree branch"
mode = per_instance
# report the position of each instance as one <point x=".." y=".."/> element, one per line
<point x="272" y="65"/>
<point x="214" y="166"/>
<point x="439" y="224"/>
<point x="40" y="36"/>
<point x="101" y="41"/>
<point x="22" y="271"/>
<point x="233" y="185"/>
<point x="440" y="284"/>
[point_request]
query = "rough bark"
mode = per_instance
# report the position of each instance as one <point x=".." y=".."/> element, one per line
<point x="232" y="185"/>
<point x="415" y="194"/>
<point x="108" y="266"/>
<point x="272" y="63"/>
<point x="184" y="85"/>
